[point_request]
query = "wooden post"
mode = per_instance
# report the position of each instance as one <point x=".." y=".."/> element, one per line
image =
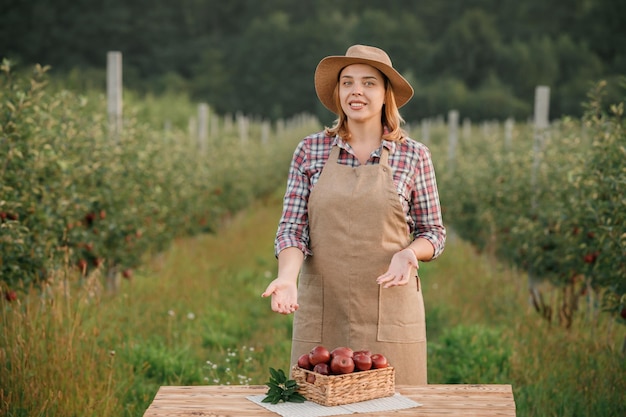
<point x="542" y="107"/>
<point x="453" y="136"/>
<point x="541" y="124"/>
<point x="484" y="126"/>
<point x="114" y="110"/>
<point x="228" y="122"/>
<point x="114" y="93"/>
<point x="203" y="126"/>
<point x="242" y="124"/>
<point x="265" y="132"/>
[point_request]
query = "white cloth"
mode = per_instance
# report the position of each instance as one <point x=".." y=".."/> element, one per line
<point x="312" y="409"/>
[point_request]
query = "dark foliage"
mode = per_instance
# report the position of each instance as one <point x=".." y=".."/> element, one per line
<point x="483" y="57"/>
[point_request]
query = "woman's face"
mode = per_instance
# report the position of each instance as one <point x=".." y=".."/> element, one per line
<point x="362" y="92"/>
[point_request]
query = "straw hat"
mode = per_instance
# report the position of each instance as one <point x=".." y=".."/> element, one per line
<point x="327" y="74"/>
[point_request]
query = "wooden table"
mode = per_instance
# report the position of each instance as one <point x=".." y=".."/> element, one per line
<point x="436" y="400"/>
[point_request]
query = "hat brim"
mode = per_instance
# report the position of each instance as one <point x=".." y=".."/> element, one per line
<point x="327" y="77"/>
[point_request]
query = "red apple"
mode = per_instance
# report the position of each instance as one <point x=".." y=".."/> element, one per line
<point x="10" y="295"/>
<point x="89" y="218"/>
<point x="340" y="364"/>
<point x="341" y="351"/>
<point x="322" y="368"/>
<point x="591" y="257"/>
<point x="379" y="361"/>
<point x="363" y="351"/>
<point x="362" y="361"/>
<point x="304" y="362"/>
<point x="319" y="354"/>
<point x="82" y="265"/>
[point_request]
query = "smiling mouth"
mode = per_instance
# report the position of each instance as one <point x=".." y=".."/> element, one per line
<point x="356" y="105"/>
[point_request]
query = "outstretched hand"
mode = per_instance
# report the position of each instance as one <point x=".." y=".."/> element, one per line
<point x="284" y="295"/>
<point x="400" y="269"/>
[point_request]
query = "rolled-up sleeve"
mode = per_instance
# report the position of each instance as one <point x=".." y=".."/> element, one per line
<point x="426" y="207"/>
<point x="293" y="228"/>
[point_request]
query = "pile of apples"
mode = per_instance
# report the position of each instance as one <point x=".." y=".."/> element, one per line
<point x="339" y="361"/>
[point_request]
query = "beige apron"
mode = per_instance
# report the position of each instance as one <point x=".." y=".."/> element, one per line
<point x="356" y="225"/>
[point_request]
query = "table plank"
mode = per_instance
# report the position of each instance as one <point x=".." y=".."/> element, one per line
<point x="482" y="400"/>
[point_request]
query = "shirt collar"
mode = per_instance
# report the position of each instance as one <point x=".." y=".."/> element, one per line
<point x="390" y="145"/>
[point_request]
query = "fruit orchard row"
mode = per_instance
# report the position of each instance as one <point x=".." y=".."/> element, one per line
<point x="557" y="210"/>
<point x="71" y="196"/>
<point x="72" y="199"/>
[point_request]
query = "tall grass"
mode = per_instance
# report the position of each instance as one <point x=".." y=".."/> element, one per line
<point x="193" y="315"/>
<point x="483" y="329"/>
<point x="54" y="358"/>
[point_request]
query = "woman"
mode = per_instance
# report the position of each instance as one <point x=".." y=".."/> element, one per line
<point x="361" y="209"/>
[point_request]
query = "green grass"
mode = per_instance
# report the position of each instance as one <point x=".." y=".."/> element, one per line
<point x="193" y="315"/>
<point x="482" y="329"/>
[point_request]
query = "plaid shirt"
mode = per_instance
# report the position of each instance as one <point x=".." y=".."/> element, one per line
<point x="413" y="175"/>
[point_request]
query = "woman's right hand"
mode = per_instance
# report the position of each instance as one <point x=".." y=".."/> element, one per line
<point x="284" y="293"/>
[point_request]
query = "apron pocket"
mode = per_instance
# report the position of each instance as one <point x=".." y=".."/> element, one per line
<point x="307" y="320"/>
<point x="401" y="316"/>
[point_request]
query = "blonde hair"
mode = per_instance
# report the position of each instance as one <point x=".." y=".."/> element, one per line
<point x="391" y="118"/>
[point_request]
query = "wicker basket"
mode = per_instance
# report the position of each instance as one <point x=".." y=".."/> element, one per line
<point x="345" y="389"/>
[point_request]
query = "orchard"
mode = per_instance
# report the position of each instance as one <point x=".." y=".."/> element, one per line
<point x="75" y="201"/>
<point x="556" y="211"/>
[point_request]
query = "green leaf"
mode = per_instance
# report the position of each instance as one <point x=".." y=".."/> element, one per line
<point x="296" y="397"/>
<point x="282" y="389"/>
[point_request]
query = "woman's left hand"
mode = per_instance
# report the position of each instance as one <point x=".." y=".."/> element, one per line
<point x="400" y="268"/>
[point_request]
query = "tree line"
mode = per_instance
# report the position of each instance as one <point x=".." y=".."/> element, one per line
<point x="482" y="57"/>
